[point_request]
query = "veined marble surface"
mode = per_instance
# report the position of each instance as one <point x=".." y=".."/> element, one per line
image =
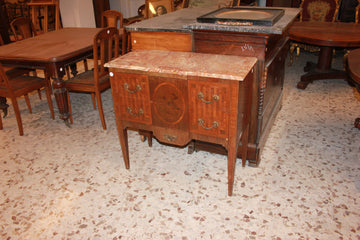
<point x="186" y="63"/>
<point x="184" y="20"/>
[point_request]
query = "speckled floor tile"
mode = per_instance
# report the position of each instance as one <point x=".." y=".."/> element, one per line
<point x="70" y="183"/>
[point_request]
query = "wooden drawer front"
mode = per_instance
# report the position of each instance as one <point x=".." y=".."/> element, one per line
<point x="209" y="105"/>
<point x="134" y="97"/>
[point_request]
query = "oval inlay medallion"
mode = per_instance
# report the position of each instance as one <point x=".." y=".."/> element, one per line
<point x="169" y="103"/>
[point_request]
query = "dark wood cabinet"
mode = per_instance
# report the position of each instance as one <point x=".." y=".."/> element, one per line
<point x="283" y="3"/>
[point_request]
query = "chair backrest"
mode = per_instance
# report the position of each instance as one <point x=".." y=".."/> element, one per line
<point x="106" y="48"/>
<point x="319" y="10"/>
<point x="357" y="13"/>
<point x="112" y="18"/>
<point x="24" y="27"/>
<point x="154" y="8"/>
<point x="4" y="82"/>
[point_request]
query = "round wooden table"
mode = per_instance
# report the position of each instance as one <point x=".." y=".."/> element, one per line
<point x="353" y="64"/>
<point x="326" y="35"/>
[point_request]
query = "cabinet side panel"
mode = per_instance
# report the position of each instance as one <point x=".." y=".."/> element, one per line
<point x="171" y="41"/>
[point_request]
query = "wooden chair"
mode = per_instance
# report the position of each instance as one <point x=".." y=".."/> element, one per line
<point x="315" y="10"/>
<point x="138" y="18"/>
<point x="13" y="72"/>
<point x="106" y="47"/>
<point x="18" y="86"/>
<point x="22" y="28"/>
<point x="113" y="18"/>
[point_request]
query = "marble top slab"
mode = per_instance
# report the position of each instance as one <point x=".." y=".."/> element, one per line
<point x="186" y="64"/>
<point x="184" y="20"/>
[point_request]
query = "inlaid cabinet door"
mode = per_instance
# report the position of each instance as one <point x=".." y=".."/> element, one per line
<point x="209" y="107"/>
<point x="134" y="97"/>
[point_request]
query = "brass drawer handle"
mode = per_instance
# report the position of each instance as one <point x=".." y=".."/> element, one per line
<point x="138" y="88"/>
<point x="201" y="123"/>
<point x="215" y="98"/>
<point x="129" y="110"/>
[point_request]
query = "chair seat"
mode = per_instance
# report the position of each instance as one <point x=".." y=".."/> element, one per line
<point x="14" y="72"/>
<point x="86" y="80"/>
<point x="22" y="85"/>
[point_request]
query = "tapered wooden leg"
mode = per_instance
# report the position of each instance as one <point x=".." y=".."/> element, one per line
<point x="69" y="107"/>
<point x="232" y="153"/>
<point x="18" y="116"/>
<point x="124" y="146"/>
<point x="101" y="111"/>
<point x="1" y="124"/>
<point x="244" y="142"/>
<point x="49" y="100"/>
<point x="27" y="100"/>
<point x="93" y="100"/>
<point x="39" y="93"/>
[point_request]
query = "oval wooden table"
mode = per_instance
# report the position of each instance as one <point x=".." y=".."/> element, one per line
<point x="326" y="35"/>
<point x="353" y="64"/>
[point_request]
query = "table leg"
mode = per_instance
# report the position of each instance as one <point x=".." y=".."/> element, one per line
<point x="60" y="94"/>
<point x="321" y="70"/>
<point x="4" y="106"/>
<point x="123" y="137"/>
<point x="357" y="123"/>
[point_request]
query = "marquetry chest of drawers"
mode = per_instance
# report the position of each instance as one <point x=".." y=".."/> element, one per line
<point x="178" y="97"/>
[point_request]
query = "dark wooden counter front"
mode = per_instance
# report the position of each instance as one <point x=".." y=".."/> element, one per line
<point x="178" y="97"/>
<point x="179" y="31"/>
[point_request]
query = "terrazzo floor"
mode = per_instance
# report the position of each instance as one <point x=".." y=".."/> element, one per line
<point x="70" y="183"/>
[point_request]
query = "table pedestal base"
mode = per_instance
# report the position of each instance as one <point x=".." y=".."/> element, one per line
<point x="321" y="70"/>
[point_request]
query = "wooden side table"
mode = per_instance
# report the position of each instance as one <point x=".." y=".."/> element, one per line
<point x="36" y="4"/>
<point x="182" y="96"/>
<point x="353" y="64"/>
<point x="327" y="35"/>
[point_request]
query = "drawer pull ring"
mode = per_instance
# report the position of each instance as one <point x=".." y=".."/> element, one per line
<point x="215" y="98"/>
<point x="201" y="123"/>
<point x="138" y="88"/>
<point x="129" y="110"/>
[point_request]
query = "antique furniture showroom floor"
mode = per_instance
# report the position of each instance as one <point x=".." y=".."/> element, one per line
<point x="307" y="186"/>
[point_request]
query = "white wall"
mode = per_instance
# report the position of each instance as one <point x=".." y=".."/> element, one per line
<point x="261" y="2"/>
<point x="77" y="13"/>
<point x="127" y="7"/>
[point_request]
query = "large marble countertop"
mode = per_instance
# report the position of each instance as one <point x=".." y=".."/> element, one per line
<point x="186" y="64"/>
<point x="184" y="20"/>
